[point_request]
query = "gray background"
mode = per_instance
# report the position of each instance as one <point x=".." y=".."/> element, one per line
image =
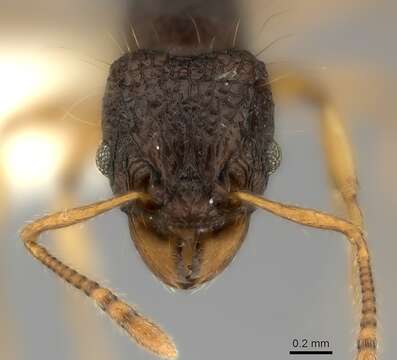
<point x="287" y="281"/>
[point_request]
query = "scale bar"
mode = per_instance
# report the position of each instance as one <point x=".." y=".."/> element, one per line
<point x="311" y="352"/>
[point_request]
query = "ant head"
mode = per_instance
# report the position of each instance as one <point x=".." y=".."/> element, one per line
<point x="188" y="131"/>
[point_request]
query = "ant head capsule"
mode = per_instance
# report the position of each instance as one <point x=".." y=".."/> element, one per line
<point x="188" y="131"/>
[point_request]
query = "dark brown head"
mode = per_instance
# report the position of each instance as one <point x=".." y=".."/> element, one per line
<point x="188" y="131"/>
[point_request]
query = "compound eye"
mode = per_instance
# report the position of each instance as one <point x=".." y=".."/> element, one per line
<point x="103" y="159"/>
<point x="273" y="158"/>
